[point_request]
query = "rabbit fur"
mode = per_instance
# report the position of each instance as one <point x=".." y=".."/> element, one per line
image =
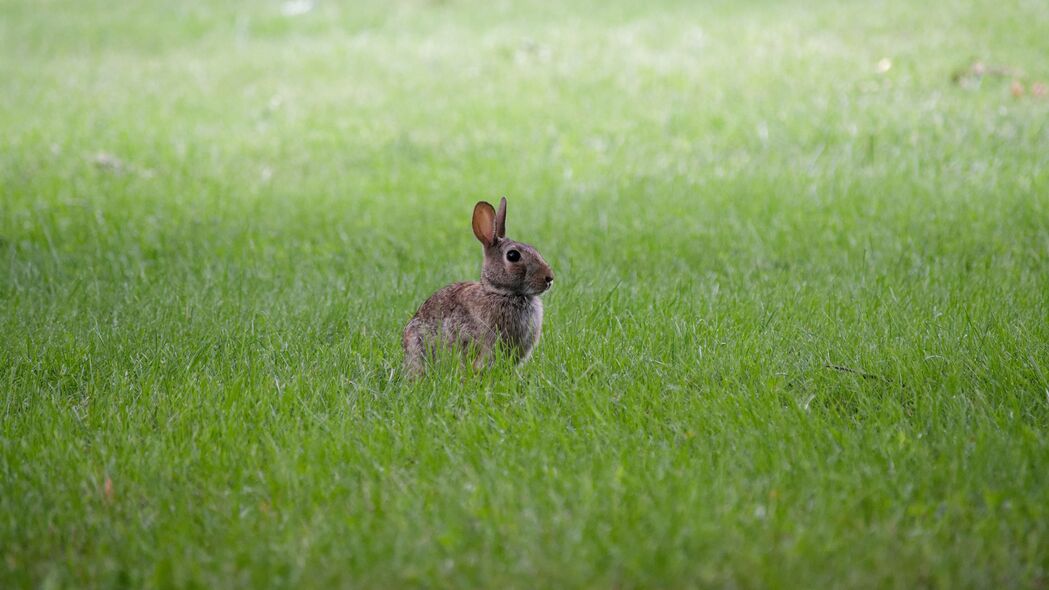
<point x="501" y="311"/>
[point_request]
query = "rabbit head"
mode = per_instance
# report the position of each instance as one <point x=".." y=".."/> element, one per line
<point x="510" y="268"/>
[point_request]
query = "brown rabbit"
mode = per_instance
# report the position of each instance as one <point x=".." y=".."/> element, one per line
<point x="502" y="310"/>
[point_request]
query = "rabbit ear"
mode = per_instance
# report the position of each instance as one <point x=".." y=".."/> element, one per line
<point x="500" y="219"/>
<point x="484" y="223"/>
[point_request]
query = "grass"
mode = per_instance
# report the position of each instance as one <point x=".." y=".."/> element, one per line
<point x="216" y="220"/>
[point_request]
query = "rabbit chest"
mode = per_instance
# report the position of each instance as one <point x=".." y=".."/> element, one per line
<point x="519" y="322"/>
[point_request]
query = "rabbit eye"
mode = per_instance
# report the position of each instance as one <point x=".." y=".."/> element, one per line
<point x="513" y="255"/>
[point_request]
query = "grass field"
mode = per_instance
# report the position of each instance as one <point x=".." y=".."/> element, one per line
<point x="799" y="336"/>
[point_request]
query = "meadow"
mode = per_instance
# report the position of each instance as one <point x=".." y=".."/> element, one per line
<point x="799" y="335"/>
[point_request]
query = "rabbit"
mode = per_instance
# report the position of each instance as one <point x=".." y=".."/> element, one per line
<point x="502" y="310"/>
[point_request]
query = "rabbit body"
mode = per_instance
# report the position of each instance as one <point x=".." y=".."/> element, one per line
<point x="503" y="310"/>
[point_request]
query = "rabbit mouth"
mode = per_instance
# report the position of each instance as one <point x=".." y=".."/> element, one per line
<point x="540" y="288"/>
<point x="527" y="289"/>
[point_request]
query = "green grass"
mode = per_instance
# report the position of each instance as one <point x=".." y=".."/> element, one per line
<point x="734" y="199"/>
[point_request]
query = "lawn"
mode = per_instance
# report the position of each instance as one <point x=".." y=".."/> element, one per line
<point x="799" y="336"/>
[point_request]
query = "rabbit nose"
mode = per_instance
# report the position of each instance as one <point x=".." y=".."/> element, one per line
<point x="549" y="279"/>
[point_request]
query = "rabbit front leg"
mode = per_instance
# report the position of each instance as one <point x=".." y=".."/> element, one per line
<point x="484" y="351"/>
<point x="483" y="360"/>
